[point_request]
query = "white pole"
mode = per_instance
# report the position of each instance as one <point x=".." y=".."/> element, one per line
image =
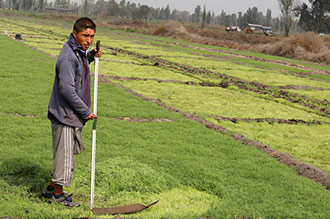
<point x="94" y="131"/>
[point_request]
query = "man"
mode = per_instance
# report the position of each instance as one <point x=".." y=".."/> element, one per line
<point x="69" y="107"/>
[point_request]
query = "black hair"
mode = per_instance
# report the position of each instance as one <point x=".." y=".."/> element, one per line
<point x="84" y="23"/>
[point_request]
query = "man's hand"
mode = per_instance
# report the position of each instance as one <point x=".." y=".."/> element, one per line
<point x="99" y="53"/>
<point x="91" y="116"/>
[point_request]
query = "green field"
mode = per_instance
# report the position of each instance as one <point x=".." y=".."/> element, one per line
<point x="193" y="171"/>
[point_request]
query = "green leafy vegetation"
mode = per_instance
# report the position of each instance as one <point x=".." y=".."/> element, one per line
<point x="193" y="171"/>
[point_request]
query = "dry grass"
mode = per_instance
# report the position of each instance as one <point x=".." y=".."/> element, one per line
<point x="195" y="34"/>
<point x="326" y="40"/>
<point x="174" y="29"/>
<point x="307" y="46"/>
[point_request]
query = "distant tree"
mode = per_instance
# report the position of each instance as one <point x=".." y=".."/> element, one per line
<point x="233" y="19"/>
<point x="175" y="15"/>
<point x="123" y="9"/>
<point x="100" y="7"/>
<point x="208" y="17"/>
<point x="196" y="17"/>
<point x="316" y="18"/>
<point x="154" y="13"/>
<point x="41" y="5"/>
<point x="184" y="16"/>
<point x="203" y="16"/>
<point x="86" y="7"/>
<point x="251" y="16"/>
<point x="167" y="13"/>
<point x="227" y="21"/>
<point x="1" y="3"/>
<point x="261" y="19"/>
<point x="287" y="10"/>
<point x="213" y="18"/>
<point x="27" y="5"/>
<point x="34" y="5"/>
<point x="268" y="18"/>
<point x="144" y="12"/>
<point x="113" y="8"/>
<point x="222" y="18"/>
<point x="122" y="3"/>
<point x="134" y="11"/>
<point x="276" y="23"/>
<point x="240" y="20"/>
<point x="161" y="14"/>
<point x="14" y="4"/>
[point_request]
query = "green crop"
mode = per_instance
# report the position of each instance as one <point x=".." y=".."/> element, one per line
<point x="193" y="171"/>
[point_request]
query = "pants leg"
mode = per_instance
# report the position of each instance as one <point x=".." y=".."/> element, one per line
<point x="63" y="154"/>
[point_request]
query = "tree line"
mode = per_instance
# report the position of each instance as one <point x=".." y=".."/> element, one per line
<point x="315" y="18"/>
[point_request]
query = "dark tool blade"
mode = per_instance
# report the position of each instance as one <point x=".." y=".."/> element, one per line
<point x="122" y="209"/>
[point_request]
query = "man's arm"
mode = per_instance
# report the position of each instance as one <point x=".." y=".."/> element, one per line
<point x="66" y="74"/>
<point x="92" y="53"/>
<point x="91" y="116"/>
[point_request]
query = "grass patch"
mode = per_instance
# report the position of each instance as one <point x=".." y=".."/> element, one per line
<point x="317" y="94"/>
<point x="130" y="70"/>
<point x="309" y="143"/>
<point x="220" y="101"/>
<point x="322" y="77"/>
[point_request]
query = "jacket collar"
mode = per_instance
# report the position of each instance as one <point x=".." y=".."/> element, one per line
<point x="75" y="45"/>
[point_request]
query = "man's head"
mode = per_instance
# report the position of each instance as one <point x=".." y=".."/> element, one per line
<point x="84" y="31"/>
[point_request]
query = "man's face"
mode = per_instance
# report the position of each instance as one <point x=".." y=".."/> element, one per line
<point x="85" y="38"/>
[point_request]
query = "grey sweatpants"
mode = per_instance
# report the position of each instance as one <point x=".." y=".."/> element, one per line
<point x="67" y="142"/>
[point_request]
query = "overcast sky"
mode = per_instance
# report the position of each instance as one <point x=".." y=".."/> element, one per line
<point x="229" y="6"/>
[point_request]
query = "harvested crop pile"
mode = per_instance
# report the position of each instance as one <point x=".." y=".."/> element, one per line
<point x="177" y="30"/>
<point x="326" y="40"/>
<point x="174" y="29"/>
<point x="307" y="46"/>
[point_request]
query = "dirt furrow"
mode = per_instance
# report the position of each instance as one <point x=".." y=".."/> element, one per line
<point x="125" y="62"/>
<point x="129" y="119"/>
<point x="268" y="120"/>
<point x="206" y="84"/>
<point x="297" y="87"/>
<point x="121" y="78"/>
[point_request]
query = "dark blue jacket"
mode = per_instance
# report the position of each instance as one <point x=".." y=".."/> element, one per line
<point x="66" y="102"/>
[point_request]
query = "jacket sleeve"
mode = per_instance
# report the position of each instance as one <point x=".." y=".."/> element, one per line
<point x="91" y="56"/>
<point x="66" y="76"/>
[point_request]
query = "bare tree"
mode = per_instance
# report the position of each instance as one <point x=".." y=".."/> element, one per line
<point x="287" y="10"/>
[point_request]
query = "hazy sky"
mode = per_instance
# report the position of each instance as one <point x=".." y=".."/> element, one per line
<point x="229" y="6"/>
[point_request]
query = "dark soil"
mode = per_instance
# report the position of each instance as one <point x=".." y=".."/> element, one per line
<point x="268" y="120"/>
<point x="23" y="115"/>
<point x="296" y="87"/>
<point x="128" y="119"/>
<point x="223" y="84"/>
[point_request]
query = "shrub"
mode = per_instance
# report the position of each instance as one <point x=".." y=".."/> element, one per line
<point x="307" y="46"/>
